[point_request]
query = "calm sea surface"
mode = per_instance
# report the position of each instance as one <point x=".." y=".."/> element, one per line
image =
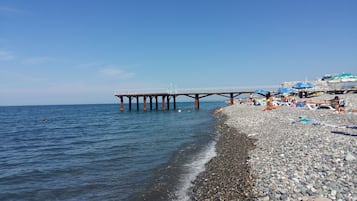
<point x="96" y="152"/>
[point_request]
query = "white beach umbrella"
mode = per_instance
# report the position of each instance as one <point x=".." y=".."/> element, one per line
<point x="343" y="77"/>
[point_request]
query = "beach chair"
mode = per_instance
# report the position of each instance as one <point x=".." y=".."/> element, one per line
<point x="311" y="106"/>
<point x="260" y="102"/>
<point x="324" y="106"/>
<point x="284" y="103"/>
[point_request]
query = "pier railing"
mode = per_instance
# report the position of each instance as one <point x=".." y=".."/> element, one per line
<point x="191" y="90"/>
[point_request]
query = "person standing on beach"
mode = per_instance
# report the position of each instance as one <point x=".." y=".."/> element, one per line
<point x="251" y="98"/>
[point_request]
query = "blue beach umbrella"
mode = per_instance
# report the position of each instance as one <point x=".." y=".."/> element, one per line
<point x="261" y="92"/>
<point x="301" y="85"/>
<point x="286" y="91"/>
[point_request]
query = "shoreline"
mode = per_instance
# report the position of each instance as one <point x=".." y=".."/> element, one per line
<point x="286" y="160"/>
<point x="227" y="176"/>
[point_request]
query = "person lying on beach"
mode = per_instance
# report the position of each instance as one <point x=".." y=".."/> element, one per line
<point x="270" y="105"/>
<point x="217" y="111"/>
<point x="336" y="104"/>
<point x="320" y="102"/>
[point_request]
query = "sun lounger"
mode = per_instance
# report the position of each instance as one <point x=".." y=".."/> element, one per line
<point x="323" y="106"/>
<point x="313" y="106"/>
<point x="284" y="103"/>
<point x="260" y="102"/>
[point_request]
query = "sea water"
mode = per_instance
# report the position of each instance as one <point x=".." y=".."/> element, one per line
<point x="96" y="152"/>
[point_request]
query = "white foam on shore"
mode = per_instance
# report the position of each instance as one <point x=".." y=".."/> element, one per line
<point x="193" y="169"/>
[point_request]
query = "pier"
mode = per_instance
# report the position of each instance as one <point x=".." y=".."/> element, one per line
<point x="152" y="99"/>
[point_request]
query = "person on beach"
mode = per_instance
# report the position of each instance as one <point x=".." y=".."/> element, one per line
<point x="267" y="95"/>
<point x="293" y="103"/>
<point x="269" y="101"/>
<point x="217" y="111"/>
<point x="284" y="99"/>
<point x="270" y="105"/>
<point x="251" y="98"/>
<point x="338" y="104"/>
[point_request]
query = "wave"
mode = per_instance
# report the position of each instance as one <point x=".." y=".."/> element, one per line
<point x="194" y="168"/>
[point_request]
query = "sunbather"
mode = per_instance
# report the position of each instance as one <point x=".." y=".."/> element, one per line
<point x="323" y="104"/>
<point x="334" y="104"/>
<point x="270" y="105"/>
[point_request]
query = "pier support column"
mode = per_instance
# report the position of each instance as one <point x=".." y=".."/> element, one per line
<point x="129" y="97"/>
<point x="232" y="99"/>
<point x="163" y="103"/>
<point x="121" y="103"/>
<point x="137" y="103"/>
<point x="174" y="102"/>
<point x="144" y="103"/>
<point x="156" y="104"/>
<point x="150" y="97"/>
<point x="197" y="102"/>
<point x="168" y="102"/>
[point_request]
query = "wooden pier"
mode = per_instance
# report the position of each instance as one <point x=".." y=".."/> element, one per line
<point x="167" y="97"/>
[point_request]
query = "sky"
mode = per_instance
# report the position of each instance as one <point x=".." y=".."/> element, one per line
<point x="85" y="51"/>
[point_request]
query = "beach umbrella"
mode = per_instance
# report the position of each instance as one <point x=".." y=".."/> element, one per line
<point x="261" y="92"/>
<point x="286" y="91"/>
<point x="343" y="77"/>
<point x="301" y="85"/>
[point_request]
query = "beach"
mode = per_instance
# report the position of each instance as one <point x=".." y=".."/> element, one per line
<point x="283" y="154"/>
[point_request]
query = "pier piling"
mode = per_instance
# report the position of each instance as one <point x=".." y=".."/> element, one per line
<point x="121" y="103"/>
<point x="137" y="103"/>
<point x="144" y="103"/>
<point x="197" y="102"/>
<point x="129" y="103"/>
<point x="150" y="97"/>
<point x="168" y="102"/>
<point x="231" y="98"/>
<point x="163" y="103"/>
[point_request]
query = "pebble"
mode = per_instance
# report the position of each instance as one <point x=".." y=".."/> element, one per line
<point x="350" y="157"/>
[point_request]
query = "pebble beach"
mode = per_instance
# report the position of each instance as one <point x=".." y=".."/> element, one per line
<point x="273" y="155"/>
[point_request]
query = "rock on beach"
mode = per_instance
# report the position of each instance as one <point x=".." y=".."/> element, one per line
<point x="271" y="155"/>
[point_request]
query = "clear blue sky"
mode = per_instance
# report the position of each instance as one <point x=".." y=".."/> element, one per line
<point x="63" y="52"/>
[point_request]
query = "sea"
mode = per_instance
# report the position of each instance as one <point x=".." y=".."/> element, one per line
<point x="97" y="152"/>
